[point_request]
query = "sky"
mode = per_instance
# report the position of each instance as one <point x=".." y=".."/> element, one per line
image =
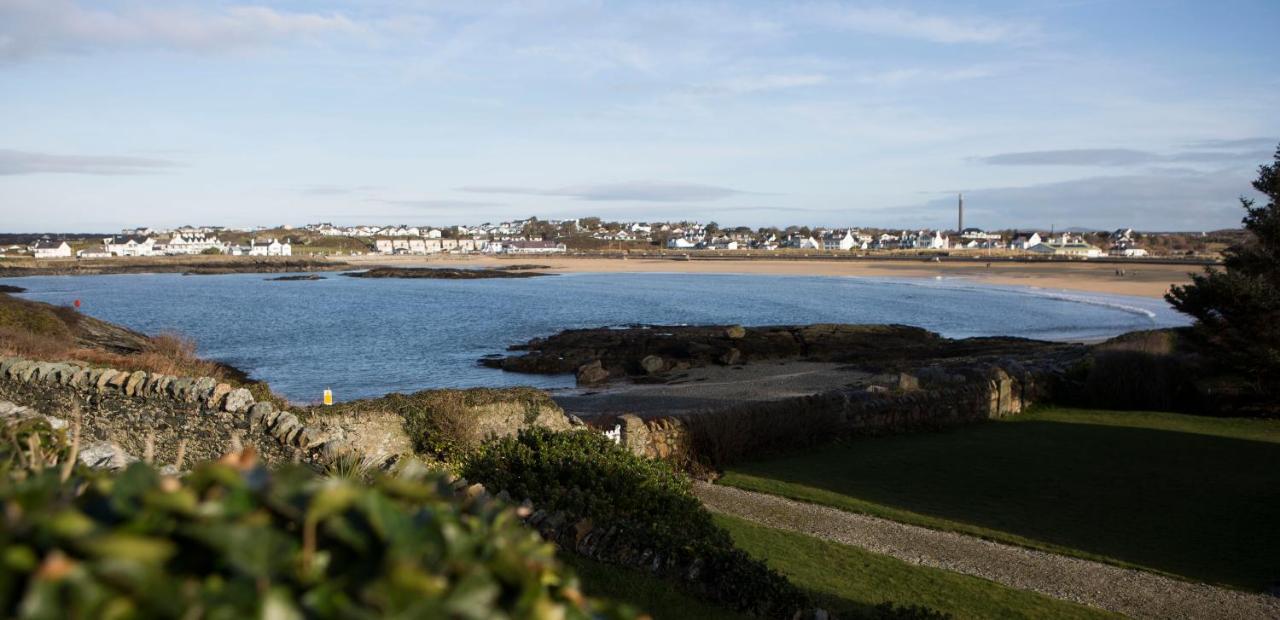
<point x="1099" y="114"/>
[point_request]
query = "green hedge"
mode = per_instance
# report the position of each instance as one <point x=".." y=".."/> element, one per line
<point x="232" y="540"/>
<point x="586" y="475"/>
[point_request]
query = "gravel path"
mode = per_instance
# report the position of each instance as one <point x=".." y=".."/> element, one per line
<point x="1130" y="592"/>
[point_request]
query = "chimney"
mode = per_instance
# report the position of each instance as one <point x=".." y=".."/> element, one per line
<point x="960" y="225"/>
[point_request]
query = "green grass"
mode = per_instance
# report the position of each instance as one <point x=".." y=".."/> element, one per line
<point x="844" y="580"/>
<point x="645" y="592"/>
<point x="1190" y="496"/>
<point x="849" y="582"/>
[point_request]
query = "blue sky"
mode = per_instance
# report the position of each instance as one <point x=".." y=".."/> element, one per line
<point x="1103" y="114"/>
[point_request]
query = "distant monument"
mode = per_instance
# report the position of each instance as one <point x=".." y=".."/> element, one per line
<point x="960" y="224"/>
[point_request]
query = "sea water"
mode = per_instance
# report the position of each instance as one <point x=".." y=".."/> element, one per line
<point x="365" y="337"/>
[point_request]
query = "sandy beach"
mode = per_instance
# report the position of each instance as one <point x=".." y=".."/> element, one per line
<point x="1139" y="279"/>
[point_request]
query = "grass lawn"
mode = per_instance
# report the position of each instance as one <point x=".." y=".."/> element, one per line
<point x="1191" y="496"/>
<point x="849" y="582"/>
<point x="645" y="592"/>
<point x="845" y="580"/>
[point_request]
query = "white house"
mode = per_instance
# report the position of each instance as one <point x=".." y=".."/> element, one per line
<point x="1025" y="243"/>
<point x="270" y="247"/>
<point x="534" y="247"/>
<point x="936" y="241"/>
<point x="187" y="242"/>
<point x="803" y="243"/>
<point x="834" y="241"/>
<point x="121" y="245"/>
<point x="1076" y="249"/>
<point x="45" y="248"/>
<point x="680" y="243"/>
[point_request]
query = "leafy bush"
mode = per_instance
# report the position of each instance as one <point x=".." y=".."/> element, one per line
<point x="234" y="541"/>
<point x="1136" y="380"/>
<point x="586" y="475"/>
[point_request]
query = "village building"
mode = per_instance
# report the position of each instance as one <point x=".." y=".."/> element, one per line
<point x="925" y="241"/>
<point x="1071" y="248"/>
<point x="532" y="247"/>
<point x="1021" y="242"/>
<point x="122" y="245"/>
<point x="270" y="247"/>
<point x="192" y="242"/>
<point x="46" y="248"/>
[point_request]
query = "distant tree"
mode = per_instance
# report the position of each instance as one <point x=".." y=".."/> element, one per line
<point x="1237" y="309"/>
<point x="590" y="223"/>
<point x="712" y="228"/>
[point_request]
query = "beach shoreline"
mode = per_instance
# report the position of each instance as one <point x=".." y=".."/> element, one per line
<point x="1149" y="280"/>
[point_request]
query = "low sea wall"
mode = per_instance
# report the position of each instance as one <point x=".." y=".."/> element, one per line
<point x="713" y="439"/>
<point x="141" y="413"/>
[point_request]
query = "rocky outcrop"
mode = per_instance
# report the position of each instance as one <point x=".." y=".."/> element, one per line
<point x="443" y="273"/>
<point x="646" y="350"/>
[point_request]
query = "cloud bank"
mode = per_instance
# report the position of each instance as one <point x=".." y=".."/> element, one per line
<point x="641" y="191"/>
<point x="30" y="28"/>
<point x="26" y="162"/>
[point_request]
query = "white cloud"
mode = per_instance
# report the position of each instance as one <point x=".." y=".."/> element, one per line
<point x="743" y="85"/>
<point x="30" y="28"/>
<point x="26" y="162"/>
<point x="645" y="191"/>
<point x="909" y="24"/>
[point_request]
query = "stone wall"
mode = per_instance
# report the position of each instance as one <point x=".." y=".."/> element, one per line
<point x="197" y="417"/>
<point x="714" y="439"/>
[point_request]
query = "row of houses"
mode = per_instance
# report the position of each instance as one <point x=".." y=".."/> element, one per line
<point x="466" y="245"/>
<point x="178" y="245"/>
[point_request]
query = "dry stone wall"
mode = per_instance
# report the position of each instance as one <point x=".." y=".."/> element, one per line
<point x="198" y="418"/>
<point x="902" y="403"/>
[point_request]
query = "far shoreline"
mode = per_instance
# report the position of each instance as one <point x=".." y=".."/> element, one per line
<point x="1148" y="279"/>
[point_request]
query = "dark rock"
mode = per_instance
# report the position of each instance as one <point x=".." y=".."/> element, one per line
<point x="299" y="278"/>
<point x="592" y="374"/>
<point x="653" y="364"/>
<point x="442" y="273"/>
<point x="732" y="357"/>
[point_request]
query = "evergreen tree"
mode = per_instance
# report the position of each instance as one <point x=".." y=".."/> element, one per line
<point x="1237" y="309"/>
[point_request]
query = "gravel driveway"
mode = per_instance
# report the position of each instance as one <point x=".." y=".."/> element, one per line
<point x="1130" y="592"/>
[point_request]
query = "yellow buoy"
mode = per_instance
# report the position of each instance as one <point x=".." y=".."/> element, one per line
<point x="328" y="396"/>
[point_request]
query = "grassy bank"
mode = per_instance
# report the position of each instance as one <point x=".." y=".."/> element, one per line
<point x="1190" y="496"/>
<point x="847" y="581"/>
<point x="850" y="582"/>
<point x="654" y="596"/>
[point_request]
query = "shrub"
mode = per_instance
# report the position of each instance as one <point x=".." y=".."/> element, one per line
<point x="652" y="507"/>
<point x="1129" y="379"/>
<point x="235" y="541"/>
<point x="721" y="438"/>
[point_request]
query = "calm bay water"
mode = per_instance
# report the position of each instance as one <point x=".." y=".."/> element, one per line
<point x="367" y="337"/>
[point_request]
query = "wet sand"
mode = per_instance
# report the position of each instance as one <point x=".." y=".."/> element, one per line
<point x="1139" y="279"/>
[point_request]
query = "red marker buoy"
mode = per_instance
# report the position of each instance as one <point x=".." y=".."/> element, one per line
<point x="77" y="303"/>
